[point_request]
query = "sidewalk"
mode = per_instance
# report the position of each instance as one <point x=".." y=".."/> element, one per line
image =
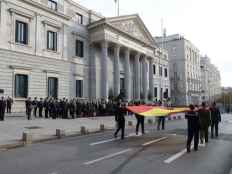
<point x="11" y="130"/>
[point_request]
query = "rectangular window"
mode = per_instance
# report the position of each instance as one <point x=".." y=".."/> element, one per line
<point x="154" y="69"/>
<point x="79" y="48"/>
<point x="79" y="88"/>
<point x="79" y="18"/>
<point x="155" y="92"/>
<point x="166" y="72"/>
<point x="160" y="71"/>
<point x="21" y="86"/>
<point x="52" y="87"/>
<point x="52" y="4"/>
<point x="52" y="40"/>
<point x="21" y="32"/>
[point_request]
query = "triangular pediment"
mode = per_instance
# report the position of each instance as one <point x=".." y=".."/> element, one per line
<point x="133" y="25"/>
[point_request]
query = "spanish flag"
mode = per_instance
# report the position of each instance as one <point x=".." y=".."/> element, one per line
<point x="155" y="111"/>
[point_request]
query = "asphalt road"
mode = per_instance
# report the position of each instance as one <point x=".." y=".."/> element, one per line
<point x="153" y="153"/>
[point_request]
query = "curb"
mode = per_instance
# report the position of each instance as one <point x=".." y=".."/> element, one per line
<point x="21" y="143"/>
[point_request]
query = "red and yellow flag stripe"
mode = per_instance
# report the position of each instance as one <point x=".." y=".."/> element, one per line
<point x="155" y="111"/>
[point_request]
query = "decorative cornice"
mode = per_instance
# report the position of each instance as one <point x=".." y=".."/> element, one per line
<point x="52" y="24"/>
<point x="20" y="67"/>
<point x="12" y="10"/>
<point x="38" y="5"/>
<point x="78" y="75"/>
<point x="51" y="71"/>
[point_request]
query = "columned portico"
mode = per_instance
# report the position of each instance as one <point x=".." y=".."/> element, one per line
<point x="137" y="76"/>
<point x="127" y="74"/>
<point x="104" y="70"/>
<point x="116" y="70"/>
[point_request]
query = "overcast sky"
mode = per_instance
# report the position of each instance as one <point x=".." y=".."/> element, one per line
<point x="206" y="23"/>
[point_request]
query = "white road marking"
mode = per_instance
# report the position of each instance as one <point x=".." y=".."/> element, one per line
<point x="179" y="154"/>
<point x="176" y="156"/>
<point x="154" y="141"/>
<point x="107" y="157"/>
<point x="114" y="139"/>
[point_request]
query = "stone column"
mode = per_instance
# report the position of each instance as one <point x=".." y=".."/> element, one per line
<point x="145" y="78"/>
<point x="151" y="79"/>
<point x="92" y="79"/>
<point x="137" y="76"/>
<point x="116" y="70"/>
<point x="104" y="70"/>
<point x="127" y="74"/>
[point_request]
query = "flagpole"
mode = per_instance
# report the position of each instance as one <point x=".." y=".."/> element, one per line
<point x="118" y="8"/>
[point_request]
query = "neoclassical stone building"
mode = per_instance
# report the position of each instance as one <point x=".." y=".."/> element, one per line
<point x="61" y="49"/>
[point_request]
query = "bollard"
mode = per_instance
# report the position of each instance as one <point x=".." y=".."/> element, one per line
<point x="60" y="133"/>
<point x="102" y="127"/>
<point x="130" y="123"/>
<point x="27" y="138"/>
<point x="149" y="121"/>
<point x="83" y="130"/>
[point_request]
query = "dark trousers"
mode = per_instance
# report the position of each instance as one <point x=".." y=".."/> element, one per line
<point x="40" y="112"/>
<point x="2" y="116"/>
<point x="121" y="126"/>
<point x="28" y="114"/>
<point x="204" y="134"/>
<point x="140" y="121"/>
<point x="193" y="133"/>
<point x="214" y="126"/>
<point x="8" y="109"/>
<point x="46" y="113"/>
<point x="161" y="120"/>
<point x="35" y="111"/>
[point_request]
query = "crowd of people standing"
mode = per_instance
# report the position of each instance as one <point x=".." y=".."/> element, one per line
<point x="199" y="121"/>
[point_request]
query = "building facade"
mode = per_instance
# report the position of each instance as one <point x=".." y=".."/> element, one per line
<point x="184" y="66"/>
<point x="57" y="48"/>
<point x="211" y="80"/>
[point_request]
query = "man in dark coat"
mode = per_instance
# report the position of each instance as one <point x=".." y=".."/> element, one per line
<point x="72" y="108"/>
<point x="9" y="103"/>
<point x="193" y="128"/>
<point x="204" y="117"/>
<point x="28" y="104"/>
<point x="215" y="119"/>
<point x="46" y="107"/>
<point x="120" y="119"/>
<point x="2" y="108"/>
<point x="35" y="105"/>
<point x="40" y="106"/>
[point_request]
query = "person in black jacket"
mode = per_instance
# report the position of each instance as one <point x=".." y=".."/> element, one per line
<point x="215" y="119"/>
<point x="35" y="105"/>
<point x="120" y="119"/>
<point x="28" y="104"/>
<point x="2" y="108"/>
<point x="193" y="128"/>
<point x="9" y="103"/>
<point x="40" y="106"/>
<point x="46" y="107"/>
